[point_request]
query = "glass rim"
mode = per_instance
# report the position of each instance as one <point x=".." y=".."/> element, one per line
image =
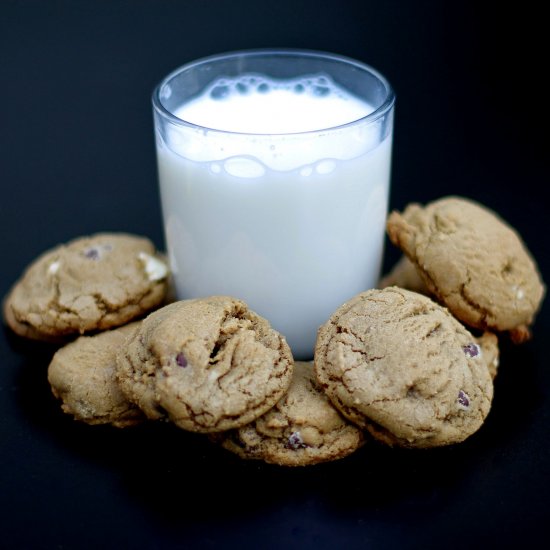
<point x="375" y="115"/>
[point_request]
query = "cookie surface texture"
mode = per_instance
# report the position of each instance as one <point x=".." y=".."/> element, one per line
<point x="488" y="343"/>
<point x="398" y="364"/>
<point x="303" y="428"/>
<point x="405" y="275"/>
<point x="208" y="364"/>
<point x="91" y="283"/>
<point x="473" y="262"/>
<point x="82" y="374"/>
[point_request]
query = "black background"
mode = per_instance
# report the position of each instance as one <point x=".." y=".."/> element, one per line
<point x="77" y="156"/>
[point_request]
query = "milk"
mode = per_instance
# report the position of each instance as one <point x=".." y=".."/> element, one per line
<point x="263" y="203"/>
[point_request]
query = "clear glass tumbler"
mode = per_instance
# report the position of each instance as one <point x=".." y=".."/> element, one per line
<point x="290" y="220"/>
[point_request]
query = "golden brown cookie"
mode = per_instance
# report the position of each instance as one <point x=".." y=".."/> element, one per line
<point x="91" y="283"/>
<point x="303" y="428"/>
<point x="473" y="262"/>
<point x="208" y="365"/>
<point x="405" y="275"/>
<point x="401" y="366"/>
<point x="488" y="343"/>
<point x="82" y="374"/>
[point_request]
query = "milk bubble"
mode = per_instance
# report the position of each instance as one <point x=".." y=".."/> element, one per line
<point x="242" y="167"/>
<point x="325" y="167"/>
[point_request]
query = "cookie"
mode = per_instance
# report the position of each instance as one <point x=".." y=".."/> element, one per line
<point x="82" y="374"/>
<point x="91" y="283"/>
<point x="490" y="352"/>
<point x="401" y="366"/>
<point x="25" y="330"/>
<point x="405" y="275"/>
<point x="208" y="364"/>
<point x="303" y="428"/>
<point x="472" y="262"/>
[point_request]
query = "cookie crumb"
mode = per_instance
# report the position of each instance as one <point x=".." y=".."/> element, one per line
<point x="472" y="350"/>
<point x="463" y="400"/>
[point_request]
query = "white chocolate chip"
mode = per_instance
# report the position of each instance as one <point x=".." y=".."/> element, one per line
<point x="53" y="268"/>
<point x="155" y="269"/>
<point x="213" y="376"/>
<point x="520" y="293"/>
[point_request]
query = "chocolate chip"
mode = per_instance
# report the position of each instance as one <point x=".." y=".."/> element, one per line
<point x="295" y="441"/>
<point x="95" y="252"/>
<point x="92" y="253"/>
<point x="472" y="350"/>
<point x="463" y="399"/>
<point x="181" y="359"/>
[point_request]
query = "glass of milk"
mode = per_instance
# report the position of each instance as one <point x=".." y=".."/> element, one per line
<point x="274" y="170"/>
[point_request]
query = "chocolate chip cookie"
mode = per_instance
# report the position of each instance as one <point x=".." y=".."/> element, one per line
<point x="401" y="366"/>
<point x="472" y="262"/>
<point x="91" y="283"/>
<point x="303" y="428"/>
<point x="208" y="364"/>
<point x="405" y="275"/>
<point x="82" y="374"/>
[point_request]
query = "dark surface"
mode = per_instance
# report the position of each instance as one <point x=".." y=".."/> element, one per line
<point x="77" y="156"/>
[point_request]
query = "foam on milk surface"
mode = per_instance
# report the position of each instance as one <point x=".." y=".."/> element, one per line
<point x="257" y="105"/>
<point x="272" y="120"/>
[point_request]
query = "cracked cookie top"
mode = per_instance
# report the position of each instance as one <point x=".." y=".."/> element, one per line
<point x="91" y="283"/>
<point x="207" y="364"/>
<point x="472" y="262"/>
<point x="303" y="428"/>
<point x="82" y="374"/>
<point x="401" y="366"/>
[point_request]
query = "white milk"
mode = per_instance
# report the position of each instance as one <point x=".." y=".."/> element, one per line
<point x="292" y="223"/>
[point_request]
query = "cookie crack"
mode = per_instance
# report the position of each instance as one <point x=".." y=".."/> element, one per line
<point x="483" y="312"/>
